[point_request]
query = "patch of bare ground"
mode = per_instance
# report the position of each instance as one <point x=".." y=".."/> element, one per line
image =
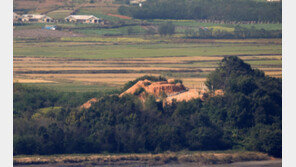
<point x="119" y="16"/>
<point x="42" y="33"/>
<point x="198" y="158"/>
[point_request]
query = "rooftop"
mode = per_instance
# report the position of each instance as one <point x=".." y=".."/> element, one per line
<point x="34" y="16"/>
<point x="82" y="17"/>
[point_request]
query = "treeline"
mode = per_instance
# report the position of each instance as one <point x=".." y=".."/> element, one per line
<point x="238" y="33"/>
<point x="226" y="10"/>
<point x="247" y="116"/>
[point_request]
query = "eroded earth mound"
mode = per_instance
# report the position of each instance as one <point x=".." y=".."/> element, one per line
<point x="162" y="90"/>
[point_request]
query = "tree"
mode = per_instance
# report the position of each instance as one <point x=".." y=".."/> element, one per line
<point x="167" y="28"/>
<point x="130" y="31"/>
<point x="190" y="33"/>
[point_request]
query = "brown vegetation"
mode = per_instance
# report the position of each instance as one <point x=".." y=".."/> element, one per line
<point x="148" y="159"/>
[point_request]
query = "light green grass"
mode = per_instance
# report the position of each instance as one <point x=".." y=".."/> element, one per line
<point x="111" y="31"/>
<point x="59" y="14"/>
<point x="72" y="87"/>
<point x="147" y="50"/>
<point x="100" y="39"/>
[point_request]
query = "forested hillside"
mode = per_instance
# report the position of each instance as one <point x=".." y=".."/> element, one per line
<point x="225" y="10"/>
<point x="248" y="116"/>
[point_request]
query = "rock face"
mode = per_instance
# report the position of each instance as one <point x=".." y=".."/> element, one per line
<point x="185" y="96"/>
<point x="155" y="88"/>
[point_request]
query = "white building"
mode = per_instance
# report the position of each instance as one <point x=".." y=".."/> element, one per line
<point x="136" y="2"/>
<point x="36" y="18"/>
<point x="82" y="19"/>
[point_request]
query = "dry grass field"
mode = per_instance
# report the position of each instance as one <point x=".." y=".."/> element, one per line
<point x="199" y="158"/>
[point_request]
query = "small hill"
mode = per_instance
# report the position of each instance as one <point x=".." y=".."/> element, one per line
<point x="157" y="89"/>
<point x="167" y="90"/>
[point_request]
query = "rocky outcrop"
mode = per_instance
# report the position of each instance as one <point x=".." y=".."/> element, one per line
<point x="155" y="88"/>
<point x="162" y="90"/>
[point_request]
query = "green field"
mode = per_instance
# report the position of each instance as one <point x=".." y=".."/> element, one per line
<point x="59" y="14"/>
<point x="60" y="49"/>
<point x="111" y="31"/>
<point x="73" y="87"/>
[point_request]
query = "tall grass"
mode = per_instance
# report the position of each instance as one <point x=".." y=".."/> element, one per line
<point x="150" y="159"/>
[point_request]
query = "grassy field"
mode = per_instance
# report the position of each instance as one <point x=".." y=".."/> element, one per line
<point x="59" y="14"/>
<point x="92" y="64"/>
<point x="96" y="51"/>
<point x="111" y="31"/>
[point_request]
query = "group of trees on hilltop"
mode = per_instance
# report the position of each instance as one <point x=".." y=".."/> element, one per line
<point x="227" y="10"/>
<point x="248" y="116"/>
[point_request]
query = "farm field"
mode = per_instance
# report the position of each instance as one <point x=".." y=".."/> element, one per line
<point x="85" y="57"/>
<point x="95" y="65"/>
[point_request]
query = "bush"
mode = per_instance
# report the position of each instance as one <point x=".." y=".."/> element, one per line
<point x="151" y="78"/>
<point x="266" y="139"/>
<point x="167" y="28"/>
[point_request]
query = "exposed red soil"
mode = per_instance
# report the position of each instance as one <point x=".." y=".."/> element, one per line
<point x="89" y="103"/>
<point x="169" y="90"/>
<point x="119" y="16"/>
<point x="156" y="88"/>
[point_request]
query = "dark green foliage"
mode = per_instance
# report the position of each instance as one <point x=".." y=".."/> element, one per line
<point x="190" y="33"/>
<point x="266" y="139"/>
<point x="139" y="91"/>
<point x="239" y="33"/>
<point x="167" y="28"/>
<point x="122" y="1"/>
<point x="130" y="31"/>
<point x="251" y="100"/>
<point x="226" y="10"/>
<point x="150" y="31"/>
<point x="151" y="78"/>
<point x="177" y="81"/>
<point x="247" y="116"/>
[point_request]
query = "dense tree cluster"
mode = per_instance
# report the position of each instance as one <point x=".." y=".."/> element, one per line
<point x="227" y="10"/>
<point x="238" y="33"/>
<point x="247" y="116"/>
